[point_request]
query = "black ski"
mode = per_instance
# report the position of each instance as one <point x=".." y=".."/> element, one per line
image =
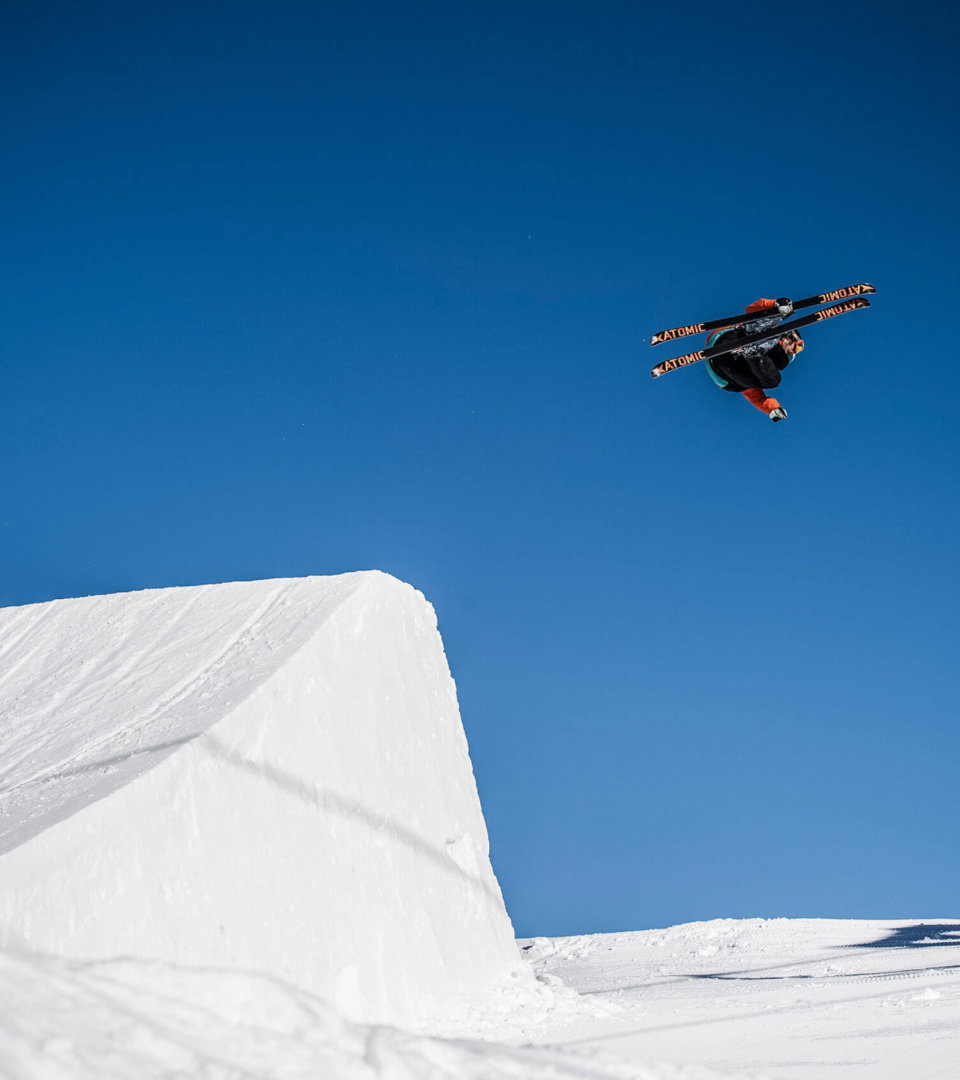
<point x="715" y="324"/>
<point x="763" y="335"/>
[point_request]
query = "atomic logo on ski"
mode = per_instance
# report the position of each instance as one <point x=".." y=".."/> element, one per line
<point x="765" y="335"/>
<point x="862" y="289"/>
<point x="680" y="331"/>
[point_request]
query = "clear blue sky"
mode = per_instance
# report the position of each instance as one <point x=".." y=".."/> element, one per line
<point x="303" y="288"/>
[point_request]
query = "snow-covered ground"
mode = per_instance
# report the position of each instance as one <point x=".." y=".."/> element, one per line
<point x="134" y="1020"/>
<point x="240" y="837"/>
<point x="782" y="998"/>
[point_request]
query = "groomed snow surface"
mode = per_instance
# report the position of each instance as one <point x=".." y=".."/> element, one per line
<point x="240" y="837"/>
<point x="737" y="998"/>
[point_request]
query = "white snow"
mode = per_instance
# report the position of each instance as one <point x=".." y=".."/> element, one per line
<point x="132" y="1020"/>
<point x="269" y="775"/>
<point x="240" y="837"/>
<point x="782" y="998"/>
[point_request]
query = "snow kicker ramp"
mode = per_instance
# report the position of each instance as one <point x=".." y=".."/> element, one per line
<point x="266" y="775"/>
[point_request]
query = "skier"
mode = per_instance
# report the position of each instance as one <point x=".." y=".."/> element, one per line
<point x="756" y="368"/>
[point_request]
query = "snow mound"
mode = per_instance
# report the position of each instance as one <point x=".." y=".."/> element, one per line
<point x="265" y="775"/>
<point x="112" y="1021"/>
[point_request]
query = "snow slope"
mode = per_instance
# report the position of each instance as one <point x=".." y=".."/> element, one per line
<point x="75" y="1020"/>
<point x="787" y="999"/>
<point x="269" y="775"/>
<point x="784" y="998"/>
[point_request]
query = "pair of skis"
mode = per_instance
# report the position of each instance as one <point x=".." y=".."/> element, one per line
<point x="856" y="292"/>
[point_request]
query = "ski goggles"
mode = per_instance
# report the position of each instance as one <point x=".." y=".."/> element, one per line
<point x="792" y="342"/>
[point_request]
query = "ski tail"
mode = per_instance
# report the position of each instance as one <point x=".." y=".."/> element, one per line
<point x="678" y="361"/>
<point x="861" y="289"/>
<point x="765" y="335"/>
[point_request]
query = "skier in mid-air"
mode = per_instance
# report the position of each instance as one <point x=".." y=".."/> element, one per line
<point x="747" y="353"/>
<point x="754" y="369"/>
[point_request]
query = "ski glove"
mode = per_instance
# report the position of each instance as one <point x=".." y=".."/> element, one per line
<point x="780" y="413"/>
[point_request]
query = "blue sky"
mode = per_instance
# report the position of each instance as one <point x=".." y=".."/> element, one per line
<point x="299" y="288"/>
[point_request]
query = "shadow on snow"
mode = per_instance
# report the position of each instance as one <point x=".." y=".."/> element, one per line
<point x="923" y="935"/>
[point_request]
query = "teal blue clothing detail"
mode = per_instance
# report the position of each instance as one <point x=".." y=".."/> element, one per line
<point x="721" y="382"/>
<point x="718" y="379"/>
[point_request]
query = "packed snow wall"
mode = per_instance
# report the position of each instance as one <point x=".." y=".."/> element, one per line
<point x="265" y="775"/>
